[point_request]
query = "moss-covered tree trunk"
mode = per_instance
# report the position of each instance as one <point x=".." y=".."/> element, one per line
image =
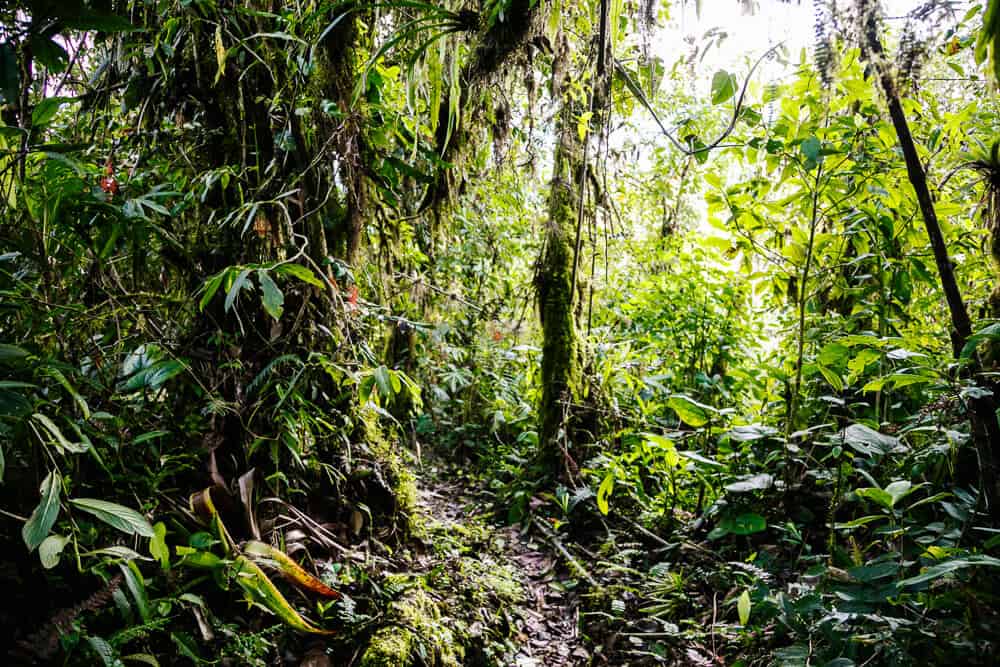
<point x="554" y="279"/>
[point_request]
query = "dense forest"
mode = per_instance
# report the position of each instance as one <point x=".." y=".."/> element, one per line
<point x="521" y="333"/>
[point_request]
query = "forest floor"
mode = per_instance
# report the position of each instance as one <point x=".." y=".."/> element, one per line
<point x="543" y="624"/>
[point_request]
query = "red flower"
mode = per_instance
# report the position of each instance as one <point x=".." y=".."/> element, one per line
<point x="109" y="184"/>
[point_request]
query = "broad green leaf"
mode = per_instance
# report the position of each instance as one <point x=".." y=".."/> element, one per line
<point x="272" y="297"/>
<point x="875" y="385"/>
<point x="723" y="86"/>
<point x="261" y="591"/>
<point x="689" y="411"/>
<point x="604" y="492"/>
<point x="811" y="148"/>
<point x="743" y="607"/>
<point x="900" y="489"/>
<point x="301" y="272"/>
<point x="991" y="332"/>
<point x="743" y="524"/>
<point x="699" y="458"/>
<point x="200" y="559"/>
<point x="38" y="525"/>
<point x="833" y="354"/>
<point x="153" y="377"/>
<point x="186" y="646"/>
<point x="861" y="360"/>
<point x="117" y="516"/>
<point x="137" y="587"/>
<point x="751" y="432"/>
<point x="383" y="382"/>
<point x="50" y="549"/>
<point x="265" y="554"/>
<point x="879" y="496"/>
<point x="149" y="435"/>
<point x="868" y="441"/>
<point x="117" y="551"/>
<point x="56" y="374"/>
<point x="234" y="291"/>
<point x="900" y="380"/>
<point x="665" y="446"/>
<point x="46" y="110"/>
<point x="104" y="650"/>
<point x="56" y="436"/>
<point x="831" y="377"/>
<point x="158" y="545"/>
<point x="941" y="569"/>
<point x="210" y="287"/>
<point x="11" y="352"/>
<point x="754" y="483"/>
<point x="50" y="54"/>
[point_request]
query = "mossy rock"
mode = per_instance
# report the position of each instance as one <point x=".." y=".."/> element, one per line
<point x="415" y="636"/>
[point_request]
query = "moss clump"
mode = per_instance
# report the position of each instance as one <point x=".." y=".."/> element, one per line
<point x="397" y="479"/>
<point x="416" y="634"/>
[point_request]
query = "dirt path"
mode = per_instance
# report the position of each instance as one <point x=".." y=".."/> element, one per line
<point x="545" y="624"/>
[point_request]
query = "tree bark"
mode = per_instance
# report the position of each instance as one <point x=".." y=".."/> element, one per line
<point x="554" y="279"/>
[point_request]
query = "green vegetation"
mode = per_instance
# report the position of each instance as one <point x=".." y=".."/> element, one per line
<point x="448" y="333"/>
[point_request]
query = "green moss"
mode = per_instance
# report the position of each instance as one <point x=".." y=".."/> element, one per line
<point x="397" y="475"/>
<point x="560" y="346"/>
<point x="416" y="633"/>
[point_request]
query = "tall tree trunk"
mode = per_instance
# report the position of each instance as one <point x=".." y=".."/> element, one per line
<point x="554" y="279"/>
<point x="985" y="429"/>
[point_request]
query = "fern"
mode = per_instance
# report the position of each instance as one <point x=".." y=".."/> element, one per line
<point x="130" y="634"/>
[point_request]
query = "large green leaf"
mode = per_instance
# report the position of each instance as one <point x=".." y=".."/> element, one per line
<point x="689" y="411"/>
<point x="46" y="110"/>
<point x="753" y="483"/>
<point x="743" y="524"/>
<point x="237" y="286"/>
<point x="261" y="591"/>
<point x="49" y="53"/>
<point x="265" y="554"/>
<point x="38" y="525"/>
<point x="272" y="297"/>
<point x="880" y="496"/>
<point x="300" y="272"/>
<point x="158" y="545"/>
<point x="743" y="607"/>
<point x="137" y="587"/>
<point x="868" y="441"/>
<point x="604" y="492"/>
<point x="50" y="550"/>
<point x="11" y="352"/>
<point x="723" y="86"/>
<point x="56" y="437"/>
<point x="117" y="516"/>
<point x="941" y="569"/>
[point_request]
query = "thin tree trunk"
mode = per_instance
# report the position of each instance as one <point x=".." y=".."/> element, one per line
<point x="985" y="429"/>
<point x="554" y="279"/>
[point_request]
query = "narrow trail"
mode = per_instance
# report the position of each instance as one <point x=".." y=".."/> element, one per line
<point x="545" y="625"/>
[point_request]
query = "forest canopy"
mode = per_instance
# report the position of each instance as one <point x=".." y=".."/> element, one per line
<point x="500" y="332"/>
